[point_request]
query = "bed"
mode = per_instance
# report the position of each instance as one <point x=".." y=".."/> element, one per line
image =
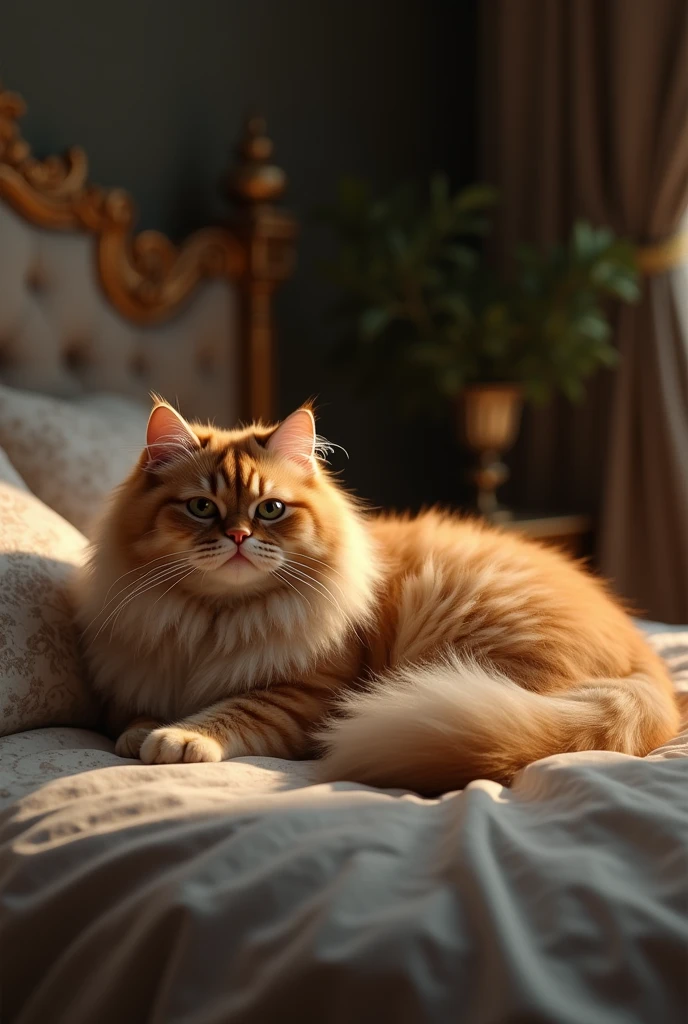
<point x="246" y="891"/>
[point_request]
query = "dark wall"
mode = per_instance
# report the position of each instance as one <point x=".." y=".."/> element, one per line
<point x="155" y="91"/>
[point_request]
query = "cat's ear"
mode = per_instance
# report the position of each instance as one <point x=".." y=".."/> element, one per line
<point x="168" y="436"/>
<point x="294" y="439"/>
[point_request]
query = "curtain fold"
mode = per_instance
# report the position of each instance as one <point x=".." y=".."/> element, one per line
<point x="585" y="113"/>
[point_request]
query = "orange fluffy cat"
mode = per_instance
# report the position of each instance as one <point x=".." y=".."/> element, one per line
<point x="239" y="602"/>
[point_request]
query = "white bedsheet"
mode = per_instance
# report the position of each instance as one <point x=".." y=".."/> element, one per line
<point x="243" y="892"/>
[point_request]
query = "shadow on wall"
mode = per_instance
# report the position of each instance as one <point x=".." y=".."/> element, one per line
<point x="156" y="93"/>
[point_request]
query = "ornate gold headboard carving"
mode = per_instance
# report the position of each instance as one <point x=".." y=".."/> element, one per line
<point x="145" y="276"/>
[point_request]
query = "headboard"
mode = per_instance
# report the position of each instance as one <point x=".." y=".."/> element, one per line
<point x="88" y="305"/>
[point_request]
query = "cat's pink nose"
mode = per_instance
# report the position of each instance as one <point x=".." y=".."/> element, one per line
<point x="238" y="534"/>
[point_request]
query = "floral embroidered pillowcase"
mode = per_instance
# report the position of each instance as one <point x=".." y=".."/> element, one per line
<point x="71" y="452"/>
<point x="42" y="679"/>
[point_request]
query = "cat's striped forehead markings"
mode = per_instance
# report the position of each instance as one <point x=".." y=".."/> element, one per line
<point x="237" y="473"/>
<point x="235" y="459"/>
<point x="253" y="485"/>
<point x="241" y="474"/>
<point x="231" y="468"/>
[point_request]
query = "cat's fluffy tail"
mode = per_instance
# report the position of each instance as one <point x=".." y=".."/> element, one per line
<point x="435" y="727"/>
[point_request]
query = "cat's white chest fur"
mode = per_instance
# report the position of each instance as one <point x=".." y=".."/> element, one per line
<point x="175" y="657"/>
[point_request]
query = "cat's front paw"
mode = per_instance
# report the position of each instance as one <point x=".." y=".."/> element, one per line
<point x="131" y="740"/>
<point x="172" y="745"/>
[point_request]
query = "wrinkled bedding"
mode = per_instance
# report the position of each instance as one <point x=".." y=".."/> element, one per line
<point x="246" y="892"/>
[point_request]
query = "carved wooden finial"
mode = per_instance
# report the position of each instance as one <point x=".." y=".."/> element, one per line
<point x="254" y="179"/>
<point x="268" y="232"/>
<point x="13" y="149"/>
<point x="56" y="179"/>
<point x="146" y="277"/>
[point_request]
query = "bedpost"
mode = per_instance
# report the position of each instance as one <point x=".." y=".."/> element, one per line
<point x="268" y="234"/>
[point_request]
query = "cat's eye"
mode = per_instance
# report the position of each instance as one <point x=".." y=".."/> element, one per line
<point x="270" y="510"/>
<point x="202" y="508"/>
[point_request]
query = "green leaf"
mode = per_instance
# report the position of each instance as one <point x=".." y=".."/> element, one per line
<point x="455" y="305"/>
<point x="603" y="272"/>
<point x="461" y="256"/>
<point x="373" y="322"/>
<point x="608" y="356"/>
<point x="593" y="326"/>
<point x="603" y="238"/>
<point x="475" y="198"/>
<point x="425" y="313"/>
<point x="616" y="277"/>
<point x="625" y="288"/>
<point x="584" y="240"/>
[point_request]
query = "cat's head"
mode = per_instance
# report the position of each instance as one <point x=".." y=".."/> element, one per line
<point x="238" y="512"/>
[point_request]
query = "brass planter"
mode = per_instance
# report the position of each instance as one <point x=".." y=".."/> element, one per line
<point x="489" y="419"/>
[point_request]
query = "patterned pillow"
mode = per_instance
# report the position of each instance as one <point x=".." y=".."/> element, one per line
<point x="41" y="675"/>
<point x="71" y="453"/>
<point x="8" y="473"/>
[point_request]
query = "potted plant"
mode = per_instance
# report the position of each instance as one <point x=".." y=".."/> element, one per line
<point x="423" y="312"/>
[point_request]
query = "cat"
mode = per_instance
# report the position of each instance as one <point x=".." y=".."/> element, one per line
<point x="238" y="601"/>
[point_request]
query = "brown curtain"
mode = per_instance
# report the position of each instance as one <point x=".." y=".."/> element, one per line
<point x="586" y="114"/>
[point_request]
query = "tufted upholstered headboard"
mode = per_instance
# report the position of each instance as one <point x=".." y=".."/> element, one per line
<point x="87" y="305"/>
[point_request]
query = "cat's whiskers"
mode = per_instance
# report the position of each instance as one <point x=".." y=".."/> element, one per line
<point x="276" y="572"/>
<point x="133" y="584"/>
<point x="270" y="553"/>
<point x="331" y="568"/>
<point x="151" y="579"/>
<point x="311" y="582"/>
<point x="170" y="554"/>
<point x="302" y="573"/>
<point x="312" y="569"/>
<point x="175" y="582"/>
<point x="306" y="576"/>
<point x="127" y="601"/>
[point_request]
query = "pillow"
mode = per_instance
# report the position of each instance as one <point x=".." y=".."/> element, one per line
<point x="8" y="473"/>
<point x="42" y="680"/>
<point x="71" y="453"/>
